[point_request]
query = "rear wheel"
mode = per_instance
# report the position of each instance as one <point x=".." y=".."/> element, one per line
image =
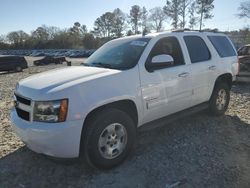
<point x="108" y="138"/>
<point x="219" y="101"/>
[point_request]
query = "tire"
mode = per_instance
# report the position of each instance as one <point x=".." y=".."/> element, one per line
<point x="18" y="69"/>
<point x="98" y="140"/>
<point x="220" y="98"/>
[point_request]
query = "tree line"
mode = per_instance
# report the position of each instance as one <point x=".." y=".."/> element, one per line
<point x="114" y="24"/>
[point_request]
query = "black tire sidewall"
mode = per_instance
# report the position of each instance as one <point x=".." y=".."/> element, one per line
<point x="212" y="106"/>
<point x="18" y="69"/>
<point x="94" y="130"/>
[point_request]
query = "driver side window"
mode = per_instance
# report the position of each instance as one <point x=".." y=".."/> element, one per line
<point x="168" y="46"/>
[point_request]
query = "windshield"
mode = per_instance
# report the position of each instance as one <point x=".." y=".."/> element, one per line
<point x="121" y="54"/>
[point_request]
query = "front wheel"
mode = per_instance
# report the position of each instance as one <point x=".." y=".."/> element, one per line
<point x="18" y="69"/>
<point x="219" y="101"/>
<point x="108" y="139"/>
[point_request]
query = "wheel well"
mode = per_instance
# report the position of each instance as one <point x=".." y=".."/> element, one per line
<point x="127" y="106"/>
<point x="226" y="78"/>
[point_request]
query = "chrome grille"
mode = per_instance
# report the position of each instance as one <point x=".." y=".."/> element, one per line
<point x="23" y="107"/>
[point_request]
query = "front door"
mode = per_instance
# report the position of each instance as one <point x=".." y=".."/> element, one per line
<point x="167" y="90"/>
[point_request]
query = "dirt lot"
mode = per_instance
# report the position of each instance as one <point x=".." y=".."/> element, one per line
<point x="199" y="151"/>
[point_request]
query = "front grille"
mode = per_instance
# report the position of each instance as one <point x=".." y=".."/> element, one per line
<point x="23" y="107"/>
<point x="23" y="100"/>
<point x="23" y="114"/>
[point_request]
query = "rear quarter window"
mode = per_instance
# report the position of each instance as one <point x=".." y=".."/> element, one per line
<point x="197" y="49"/>
<point x="222" y="46"/>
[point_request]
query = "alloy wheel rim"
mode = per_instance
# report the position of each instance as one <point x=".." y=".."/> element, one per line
<point x="112" y="141"/>
<point x="221" y="99"/>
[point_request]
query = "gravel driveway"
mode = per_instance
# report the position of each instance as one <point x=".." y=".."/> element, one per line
<point x="198" y="151"/>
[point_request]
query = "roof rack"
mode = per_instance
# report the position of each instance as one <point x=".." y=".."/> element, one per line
<point x="204" y="30"/>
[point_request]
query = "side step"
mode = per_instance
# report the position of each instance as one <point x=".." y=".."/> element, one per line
<point x="173" y="117"/>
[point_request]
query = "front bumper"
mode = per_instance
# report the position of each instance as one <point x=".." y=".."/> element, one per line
<point x="61" y="140"/>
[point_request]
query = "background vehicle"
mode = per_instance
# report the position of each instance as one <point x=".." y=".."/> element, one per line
<point x="95" y="110"/>
<point x="244" y="60"/>
<point x="12" y="63"/>
<point x="50" y="60"/>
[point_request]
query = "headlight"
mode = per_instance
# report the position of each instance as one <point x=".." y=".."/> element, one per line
<point x="50" y="111"/>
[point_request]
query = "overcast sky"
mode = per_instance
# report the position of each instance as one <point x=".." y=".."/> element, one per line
<point x="27" y="15"/>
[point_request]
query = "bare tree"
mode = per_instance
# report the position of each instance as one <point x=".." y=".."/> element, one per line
<point x="244" y="9"/>
<point x="17" y="38"/>
<point x="135" y="17"/>
<point x="204" y="8"/>
<point x="157" y="17"/>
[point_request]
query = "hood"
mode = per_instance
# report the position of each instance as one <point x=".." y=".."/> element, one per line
<point x="58" y="77"/>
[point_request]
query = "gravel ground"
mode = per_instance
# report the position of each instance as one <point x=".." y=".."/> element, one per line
<point x="198" y="151"/>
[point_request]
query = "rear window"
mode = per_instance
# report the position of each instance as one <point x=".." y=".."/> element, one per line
<point x="197" y="49"/>
<point x="222" y="46"/>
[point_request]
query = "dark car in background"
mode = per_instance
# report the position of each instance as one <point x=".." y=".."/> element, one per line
<point x="244" y="57"/>
<point x="13" y="63"/>
<point x="50" y="60"/>
<point x="244" y="60"/>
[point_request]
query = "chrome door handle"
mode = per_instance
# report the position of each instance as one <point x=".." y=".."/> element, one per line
<point x="213" y="67"/>
<point x="184" y="74"/>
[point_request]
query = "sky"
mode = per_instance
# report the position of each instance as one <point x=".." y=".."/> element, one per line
<point x="27" y="15"/>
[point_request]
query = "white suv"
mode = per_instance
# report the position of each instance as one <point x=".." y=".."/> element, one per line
<point x="94" y="110"/>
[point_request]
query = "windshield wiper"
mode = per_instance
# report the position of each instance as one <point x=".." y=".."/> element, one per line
<point x="104" y="65"/>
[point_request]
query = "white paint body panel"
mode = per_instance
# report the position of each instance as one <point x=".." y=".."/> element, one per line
<point x="155" y="94"/>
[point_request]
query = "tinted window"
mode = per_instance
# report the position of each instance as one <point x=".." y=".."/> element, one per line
<point x="168" y="46"/>
<point x="222" y="46"/>
<point x="197" y="49"/>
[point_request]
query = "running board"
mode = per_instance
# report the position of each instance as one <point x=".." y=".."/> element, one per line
<point x="173" y="117"/>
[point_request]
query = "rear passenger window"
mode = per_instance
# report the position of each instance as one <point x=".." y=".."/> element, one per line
<point x="197" y="49"/>
<point x="222" y="46"/>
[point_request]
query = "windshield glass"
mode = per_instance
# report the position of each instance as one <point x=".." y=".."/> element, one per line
<point x="121" y="54"/>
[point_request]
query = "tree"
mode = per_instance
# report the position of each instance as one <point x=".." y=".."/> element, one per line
<point x="204" y="8"/>
<point x="18" y="38"/>
<point x="172" y="10"/>
<point x="192" y="18"/>
<point x="183" y="11"/>
<point x="144" y="19"/>
<point x="104" y="25"/>
<point x="135" y="17"/>
<point x="40" y="34"/>
<point x="244" y="9"/>
<point x="83" y="29"/>
<point x="157" y="17"/>
<point x="119" y="22"/>
<point x="89" y="41"/>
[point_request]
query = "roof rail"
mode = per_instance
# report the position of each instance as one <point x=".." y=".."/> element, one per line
<point x="204" y="30"/>
<point x="183" y="30"/>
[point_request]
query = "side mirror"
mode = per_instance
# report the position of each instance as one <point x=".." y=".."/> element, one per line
<point x="160" y="61"/>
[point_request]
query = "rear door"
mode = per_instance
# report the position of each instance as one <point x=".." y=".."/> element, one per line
<point x="203" y="68"/>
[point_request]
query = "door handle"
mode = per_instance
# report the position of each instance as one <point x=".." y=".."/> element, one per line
<point x="183" y="75"/>
<point x="213" y="67"/>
